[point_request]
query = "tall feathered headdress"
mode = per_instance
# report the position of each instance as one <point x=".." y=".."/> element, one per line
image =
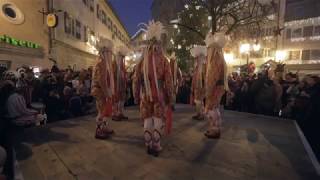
<point x="123" y="50"/>
<point x="217" y="40"/>
<point x="198" y="51"/>
<point x="104" y="43"/>
<point x="154" y="30"/>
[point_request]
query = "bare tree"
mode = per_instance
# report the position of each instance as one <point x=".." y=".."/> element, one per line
<point x="229" y="15"/>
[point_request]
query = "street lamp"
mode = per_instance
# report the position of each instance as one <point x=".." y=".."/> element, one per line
<point x="281" y="55"/>
<point x="229" y="58"/>
<point x="245" y="49"/>
<point x="256" y="47"/>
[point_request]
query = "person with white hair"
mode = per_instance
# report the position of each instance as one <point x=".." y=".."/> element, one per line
<point x="103" y="88"/>
<point x="216" y="82"/>
<point x="197" y="87"/>
<point x="120" y="80"/>
<point x="153" y="83"/>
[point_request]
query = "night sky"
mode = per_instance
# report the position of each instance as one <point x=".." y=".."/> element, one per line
<point x="133" y="12"/>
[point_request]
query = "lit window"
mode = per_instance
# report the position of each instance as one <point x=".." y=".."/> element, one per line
<point x="294" y="55"/>
<point x="306" y="55"/>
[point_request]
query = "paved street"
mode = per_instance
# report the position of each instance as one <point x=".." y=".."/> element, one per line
<point x="251" y="147"/>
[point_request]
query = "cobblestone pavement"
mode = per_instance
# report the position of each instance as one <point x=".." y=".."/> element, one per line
<point x="251" y="147"/>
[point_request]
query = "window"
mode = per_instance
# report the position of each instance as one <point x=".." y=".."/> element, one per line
<point x="78" y="29"/>
<point x="109" y="23"/>
<point x="315" y="54"/>
<point x="103" y="17"/>
<point x="73" y="29"/>
<point x="297" y="33"/>
<point x="316" y="31"/>
<point x="98" y="11"/>
<point x="91" y="5"/>
<point x="85" y="2"/>
<point x="305" y="55"/>
<point x="85" y="33"/>
<point x="67" y="23"/>
<point x="307" y="31"/>
<point x="11" y="13"/>
<point x="111" y="26"/>
<point x="288" y="34"/>
<point x="294" y="55"/>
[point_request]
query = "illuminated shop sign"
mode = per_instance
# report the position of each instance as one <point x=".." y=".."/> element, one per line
<point x="17" y="42"/>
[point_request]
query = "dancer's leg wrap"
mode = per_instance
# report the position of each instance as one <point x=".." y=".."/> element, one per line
<point x="148" y="128"/>
<point x="157" y="132"/>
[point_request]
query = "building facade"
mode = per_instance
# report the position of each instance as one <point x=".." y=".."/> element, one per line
<point x="23" y="34"/>
<point x="301" y="38"/>
<point x="82" y="24"/>
<point x="25" y="38"/>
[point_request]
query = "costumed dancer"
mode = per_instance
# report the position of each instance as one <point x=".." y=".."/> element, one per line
<point x="198" y="85"/>
<point x="103" y="88"/>
<point x="176" y="76"/>
<point x="120" y="81"/>
<point x="153" y="83"/>
<point x="216" y="82"/>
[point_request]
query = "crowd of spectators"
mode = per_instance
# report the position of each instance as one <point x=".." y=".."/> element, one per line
<point x="293" y="97"/>
<point x="64" y="93"/>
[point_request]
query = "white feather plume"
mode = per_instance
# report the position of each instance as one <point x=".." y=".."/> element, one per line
<point x="198" y="51"/>
<point x="173" y="55"/>
<point x="218" y="40"/>
<point x="155" y="30"/>
<point x="103" y="42"/>
<point x="123" y="50"/>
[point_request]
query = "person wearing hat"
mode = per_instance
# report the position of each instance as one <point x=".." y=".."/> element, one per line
<point x="103" y="89"/>
<point x="120" y="76"/>
<point x="176" y="75"/>
<point x="153" y="83"/>
<point x="216" y="82"/>
<point x="197" y="87"/>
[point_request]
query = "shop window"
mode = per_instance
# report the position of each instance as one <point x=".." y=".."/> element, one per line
<point x="11" y="13"/>
<point x="307" y="31"/>
<point x="294" y="55"/>
<point x="316" y="31"/>
<point x="67" y="23"/>
<point x="315" y="54"/>
<point x="305" y="55"/>
<point x="78" y="29"/>
<point x="288" y="34"/>
<point x="297" y="33"/>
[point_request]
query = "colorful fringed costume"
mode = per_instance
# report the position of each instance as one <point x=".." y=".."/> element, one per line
<point x="198" y="84"/>
<point x="120" y="76"/>
<point x="153" y="84"/>
<point x="176" y="76"/>
<point x="215" y="81"/>
<point x="103" y="89"/>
